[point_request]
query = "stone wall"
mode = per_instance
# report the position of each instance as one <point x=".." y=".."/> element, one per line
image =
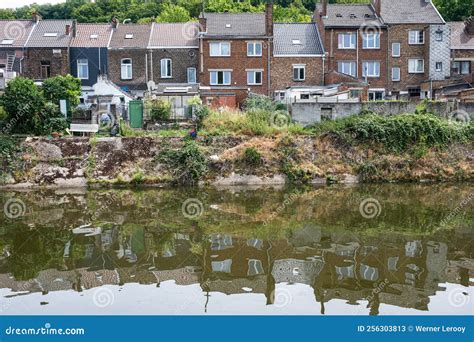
<point x="309" y="113"/>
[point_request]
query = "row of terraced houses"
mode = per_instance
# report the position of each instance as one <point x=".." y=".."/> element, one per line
<point x="389" y="49"/>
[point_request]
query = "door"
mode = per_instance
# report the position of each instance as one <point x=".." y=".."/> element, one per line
<point x="135" y="109"/>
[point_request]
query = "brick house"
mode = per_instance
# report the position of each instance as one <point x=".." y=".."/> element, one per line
<point x="128" y="58"/>
<point x="235" y="56"/>
<point x="173" y="53"/>
<point x="13" y="37"/>
<point x="462" y="49"/>
<point x="355" y="40"/>
<point x="418" y="45"/>
<point x="47" y="49"/>
<point x="298" y="57"/>
<point x="88" y="52"/>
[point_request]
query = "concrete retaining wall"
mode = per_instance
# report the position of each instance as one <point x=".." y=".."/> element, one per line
<point x="308" y="113"/>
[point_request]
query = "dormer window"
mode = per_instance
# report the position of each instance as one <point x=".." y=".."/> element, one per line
<point x="94" y="36"/>
<point x="129" y="36"/>
<point x="296" y="42"/>
<point x="7" y="42"/>
<point x="50" y="34"/>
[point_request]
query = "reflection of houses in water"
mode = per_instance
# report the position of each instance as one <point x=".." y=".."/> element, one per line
<point x="336" y="266"/>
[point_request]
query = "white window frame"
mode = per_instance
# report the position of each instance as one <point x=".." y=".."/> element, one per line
<point x="81" y="63"/>
<point x="439" y="35"/>
<point x="341" y="41"/>
<point x="375" y="91"/>
<point x="216" y="72"/>
<point x="376" y="69"/>
<point x="254" y="45"/>
<point x="411" y="70"/>
<point x="352" y="67"/>
<point x="166" y="68"/>
<point x="254" y="80"/>
<point x="399" y="49"/>
<point x="439" y="69"/>
<point x="416" y="34"/>
<point x="459" y="66"/>
<point x="219" y="46"/>
<point x="194" y="71"/>
<point x="299" y="67"/>
<point x="128" y="74"/>
<point x="396" y="79"/>
<point x="376" y="40"/>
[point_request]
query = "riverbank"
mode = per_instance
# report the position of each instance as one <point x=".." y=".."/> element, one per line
<point x="226" y="161"/>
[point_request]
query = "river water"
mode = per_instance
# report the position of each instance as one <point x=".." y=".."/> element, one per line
<point x="363" y="250"/>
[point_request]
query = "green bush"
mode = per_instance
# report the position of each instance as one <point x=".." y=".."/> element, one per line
<point x="252" y="157"/>
<point x="259" y="102"/>
<point x="187" y="164"/>
<point x="62" y="88"/>
<point x="160" y="110"/>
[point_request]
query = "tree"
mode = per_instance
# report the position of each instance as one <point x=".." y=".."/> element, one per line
<point x="62" y="88"/>
<point x="23" y="104"/>
<point x="173" y="14"/>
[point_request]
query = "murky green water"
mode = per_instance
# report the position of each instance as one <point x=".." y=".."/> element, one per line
<point x="388" y="249"/>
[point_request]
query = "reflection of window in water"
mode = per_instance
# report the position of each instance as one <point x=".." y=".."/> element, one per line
<point x="222" y="266"/>
<point x="221" y="242"/>
<point x="347" y="252"/>
<point x="345" y="272"/>
<point x="413" y="249"/>
<point x="255" y="243"/>
<point x="168" y="253"/>
<point x="369" y="273"/>
<point x="392" y="263"/>
<point x="255" y="267"/>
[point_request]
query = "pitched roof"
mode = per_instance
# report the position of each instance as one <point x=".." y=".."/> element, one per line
<point x="174" y="35"/>
<point x="235" y="24"/>
<point x="15" y="33"/>
<point x="50" y="33"/>
<point x="410" y="12"/>
<point x="297" y="39"/>
<point x="460" y="40"/>
<point x="92" y="35"/>
<point x="350" y="15"/>
<point x="131" y="36"/>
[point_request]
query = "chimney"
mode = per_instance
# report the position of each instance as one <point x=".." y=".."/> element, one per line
<point x="324" y="12"/>
<point x="114" y="22"/>
<point x="202" y="23"/>
<point x="469" y="29"/>
<point x="36" y="17"/>
<point x="377" y="6"/>
<point x="74" y="28"/>
<point x="269" y="18"/>
<point x="68" y="30"/>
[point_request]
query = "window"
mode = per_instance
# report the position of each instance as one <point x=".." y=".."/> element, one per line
<point x="439" y="66"/>
<point x="254" y="77"/>
<point x="296" y="42"/>
<point x="220" y="77"/>
<point x="462" y="67"/>
<point x="396" y="74"/>
<point x="439" y="35"/>
<point x="166" y="68"/>
<point x="83" y="69"/>
<point x="126" y="69"/>
<point x="7" y="42"/>
<point x="414" y="92"/>
<point x="396" y="49"/>
<point x="299" y="72"/>
<point x="371" y="40"/>
<point x="416" y="66"/>
<point x="416" y="37"/>
<point x="192" y="75"/>
<point x="94" y="36"/>
<point x="376" y="95"/>
<point x="348" y="68"/>
<point x="254" y="49"/>
<point x="219" y="49"/>
<point x="50" y="34"/>
<point x="347" y="40"/>
<point x="129" y="36"/>
<point x="255" y="267"/>
<point x="371" y="69"/>
<point x="45" y="69"/>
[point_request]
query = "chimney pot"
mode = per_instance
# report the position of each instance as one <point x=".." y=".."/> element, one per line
<point x="324" y="11"/>
<point x="269" y="18"/>
<point x="68" y="30"/>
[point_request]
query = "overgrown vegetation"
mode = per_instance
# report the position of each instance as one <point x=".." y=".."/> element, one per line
<point x="252" y="157"/>
<point x="398" y="133"/>
<point x="187" y="164"/>
<point x="160" y="110"/>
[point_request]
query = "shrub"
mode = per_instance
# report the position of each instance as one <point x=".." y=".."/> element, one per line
<point x="187" y="164"/>
<point x="62" y="88"/>
<point x="160" y="110"/>
<point x="252" y="157"/>
<point x="259" y="102"/>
